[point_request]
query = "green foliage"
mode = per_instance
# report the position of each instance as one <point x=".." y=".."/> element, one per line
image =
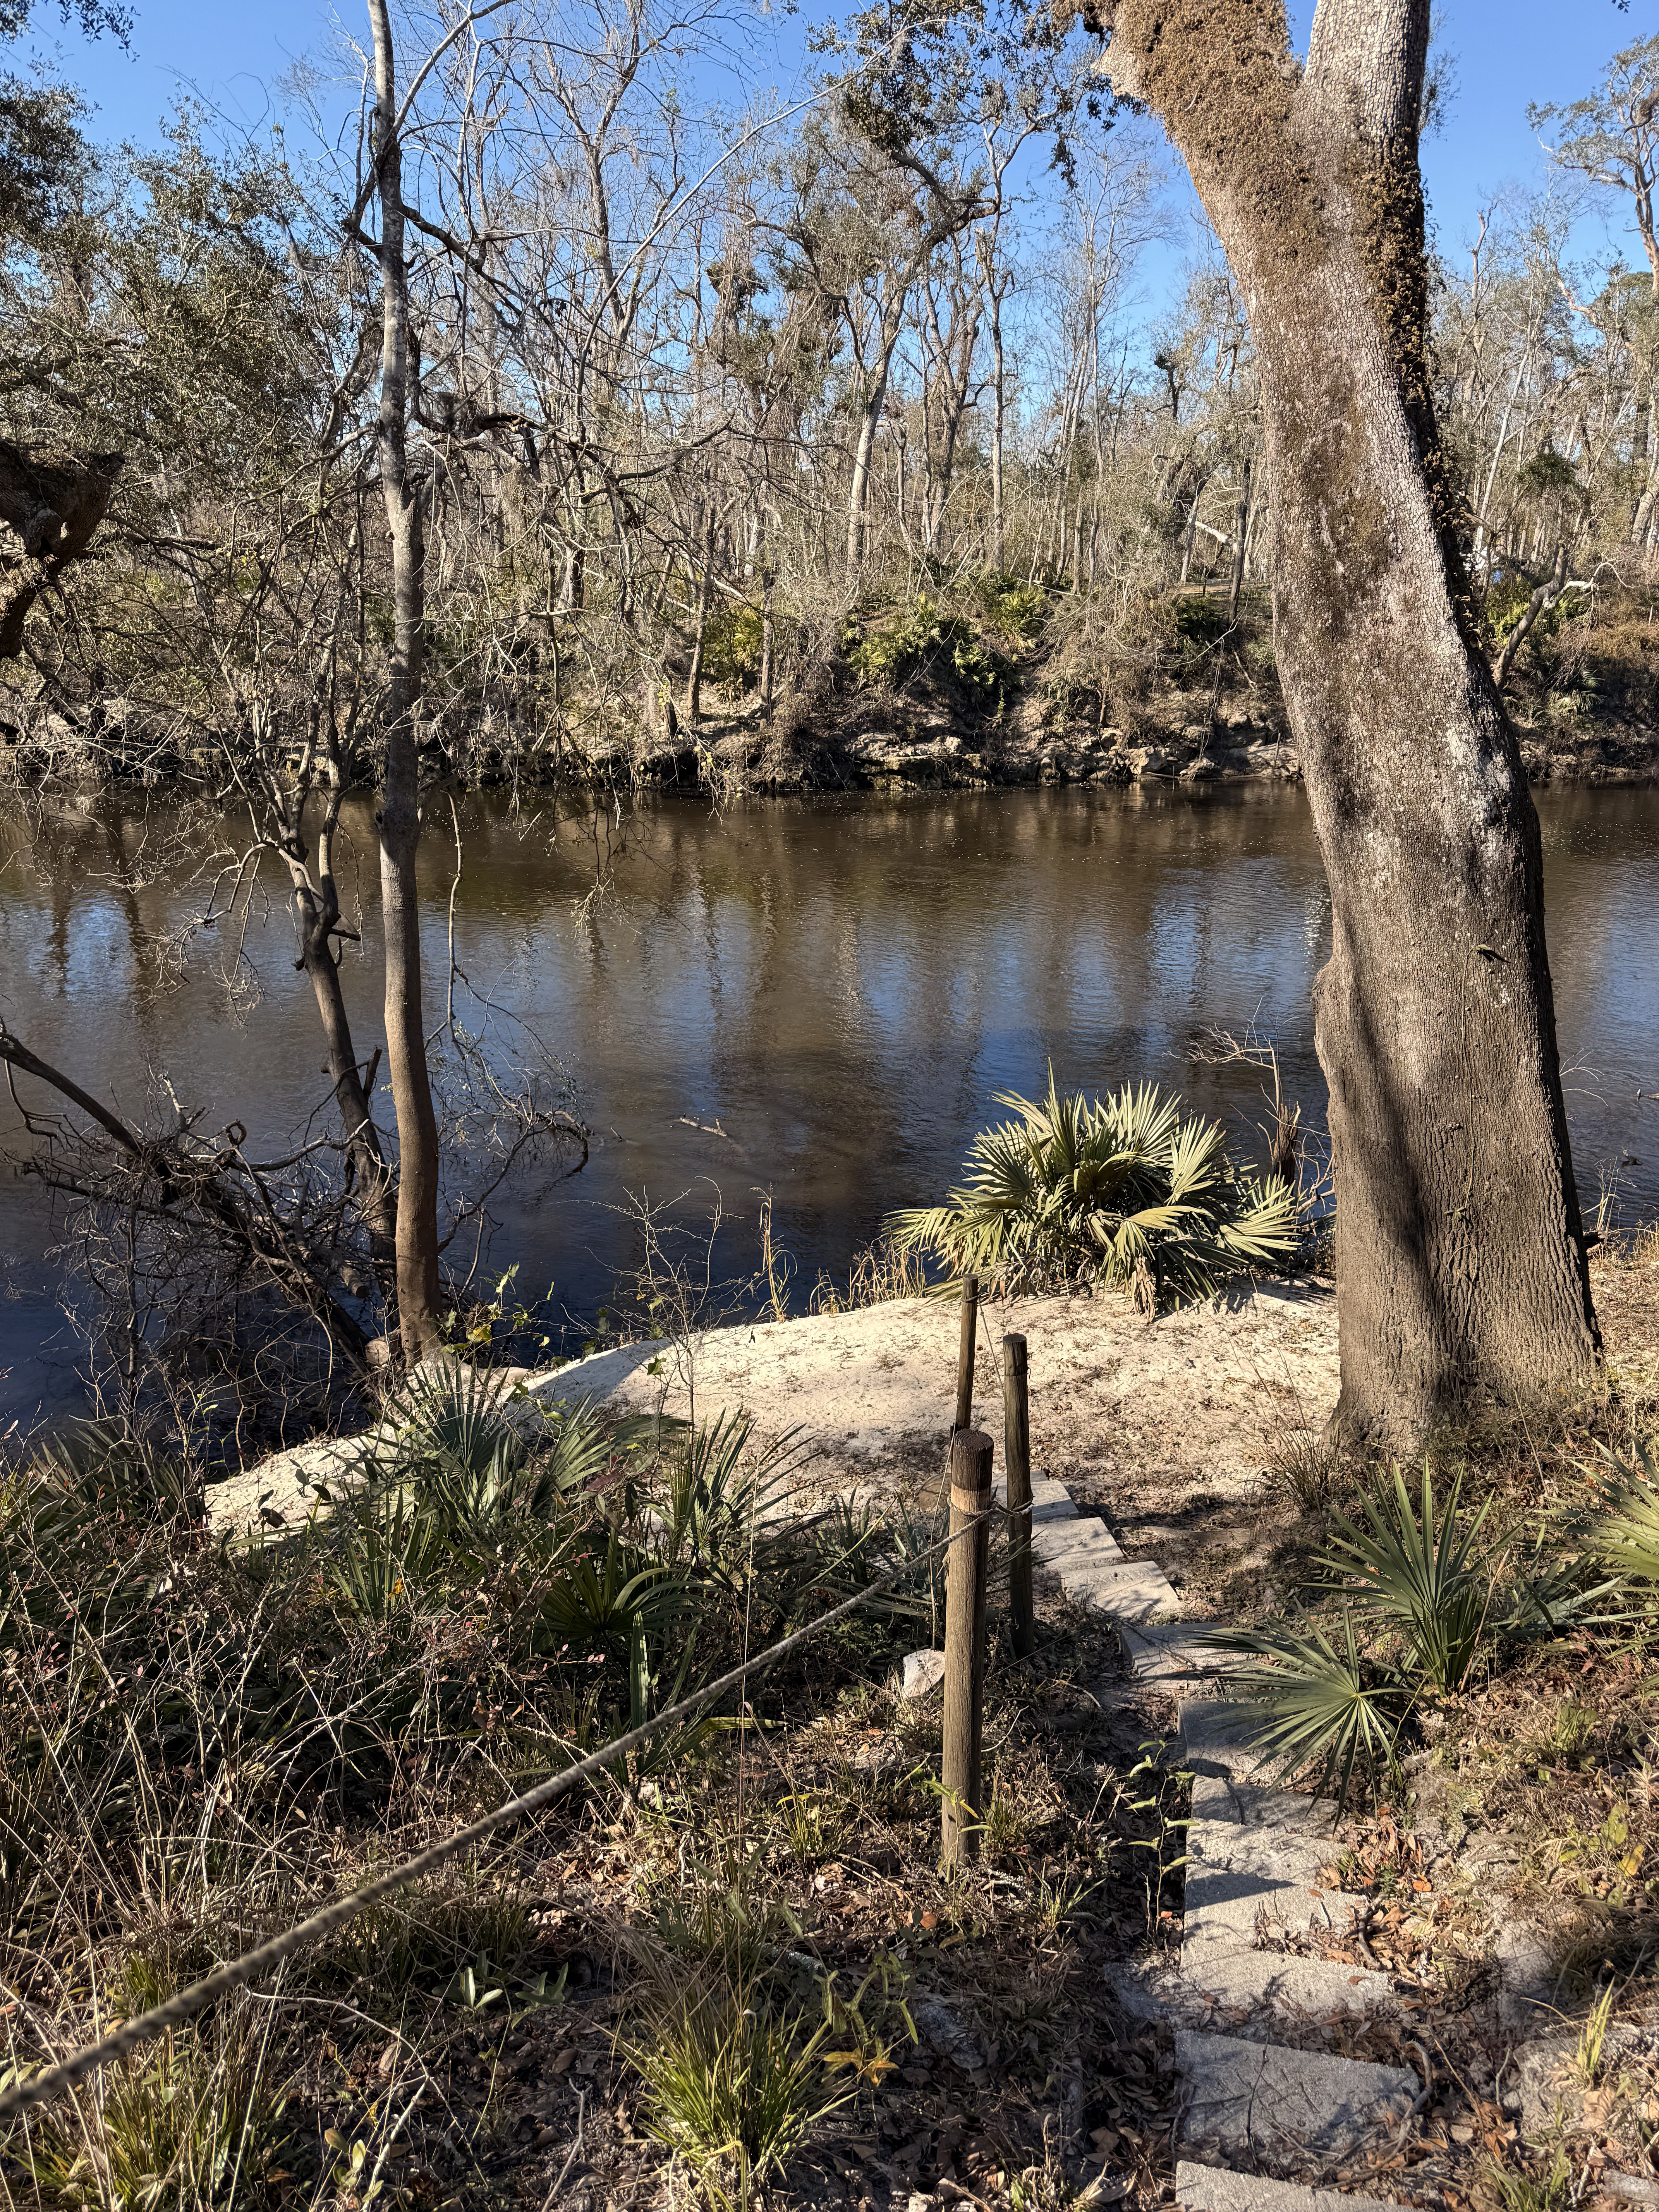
<point x="480" y="1463"/>
<point x="1507" y="601"/>
<point x="1420" y="1575"/>
<point x="1544" y="2187"/>
<point x="181" y="2126"/>
<point x="1019" y="610"/>
<point x="1625" y="1538"/>
<point x="1546" y="474"/>
<point x="732" y="2085"/>
<point x="1307" y="1702"/>
<point x="734" y="2065"/>
<point x="1442" y="1597"/>
<point x="732" y="647"/>
<point x="915" y="637"/>
<point x="1120" y="1190"/>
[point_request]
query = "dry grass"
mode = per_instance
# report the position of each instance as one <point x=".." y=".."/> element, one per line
<point x="200" y="1744"/>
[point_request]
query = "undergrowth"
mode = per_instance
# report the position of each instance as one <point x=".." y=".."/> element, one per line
<point x="726" y="1948"/>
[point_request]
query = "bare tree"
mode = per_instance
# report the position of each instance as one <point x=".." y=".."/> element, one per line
<point x="400" y="792"/>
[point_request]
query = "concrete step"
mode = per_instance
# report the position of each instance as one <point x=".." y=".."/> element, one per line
<point x="1230" y="1988"/>
<point x="1215" y="2189"/>
<point x="1213" y="1739"/>
<point x="1077" y="1544"/>
<point x="1095" y="1574"/>
<point x="1050" y="1500"/>
<point x="1167" y="1655"/>
<point x="1251" y="1859"/>
<point x="1266" y="2104"/>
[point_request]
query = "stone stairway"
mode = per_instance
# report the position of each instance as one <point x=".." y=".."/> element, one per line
<point x="1264" y="2092"/>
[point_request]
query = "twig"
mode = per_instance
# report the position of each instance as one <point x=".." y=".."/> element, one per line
<point x="571" y="2155"/>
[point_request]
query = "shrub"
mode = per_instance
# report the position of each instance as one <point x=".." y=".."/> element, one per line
<point x="1121" y="1190"/>
<point x="1018" y="609"/>
<point x="732" y="647"/>
<point x="915" y="635"/>
<point x="1443" y="1600"/>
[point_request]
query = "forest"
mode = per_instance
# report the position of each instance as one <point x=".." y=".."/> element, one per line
<point x="750" y="442"/>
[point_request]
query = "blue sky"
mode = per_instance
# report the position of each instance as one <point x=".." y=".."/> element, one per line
<point x="234" y="54"/>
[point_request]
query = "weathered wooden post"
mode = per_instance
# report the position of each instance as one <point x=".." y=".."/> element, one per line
<point x="964" y="1642"/>
<point x="1017" y="1465"/>
<point x="964" y="1418"/>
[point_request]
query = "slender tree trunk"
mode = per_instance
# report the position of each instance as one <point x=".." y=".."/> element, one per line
<point x="400" y="801"/>
<point x="316" y="912"/>
<point x="693" y="678"/>
<point x="768" y="637"/>
<point x="1460" y="1253"/>
<point x="998" y="419"/>
<point x="1241" y="533"/>
<point x="858" y="494"/>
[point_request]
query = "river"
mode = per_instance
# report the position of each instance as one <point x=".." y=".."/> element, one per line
<point x="818" y="998"/>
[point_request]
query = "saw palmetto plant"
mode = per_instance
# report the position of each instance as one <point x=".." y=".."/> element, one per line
<point x="1427" y="1595"/>
<point x="1422" y="1572"/>
<point x="1314" y="1703"/>
<point x="1123" y="1190"/>
<point x="1416" y="1569"/>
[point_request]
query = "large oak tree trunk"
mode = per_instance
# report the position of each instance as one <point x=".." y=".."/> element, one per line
<point x="1459" y="1253"/>
<point x="400" y="802"/>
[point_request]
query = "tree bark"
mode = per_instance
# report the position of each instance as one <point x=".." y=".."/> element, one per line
<point x="400" y="803"/>
<point x="316" y="920"/>
<point x="700" y="630"/>
<point x="858" y="490"/>
<point x="1241" y="535"/>
<point x="1459" y="1253"/>
<point x="50" y="503"/>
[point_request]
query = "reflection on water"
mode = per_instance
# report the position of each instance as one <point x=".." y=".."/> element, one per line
<point x="830" y="992"/>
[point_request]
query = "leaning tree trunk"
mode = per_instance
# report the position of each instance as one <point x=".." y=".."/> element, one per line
<point x="400" y="802"/>
<point x="1460" y="1253"/>
<point x="50" y="503"/>
<point x="316" y="922"/>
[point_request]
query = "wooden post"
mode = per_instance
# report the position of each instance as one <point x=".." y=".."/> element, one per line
<point x="965" y="1356"/>
<point x="964" y="1643"/>
<point x="1017" y="1463"/>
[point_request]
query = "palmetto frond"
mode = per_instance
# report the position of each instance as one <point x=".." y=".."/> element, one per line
<point x="1311" y="1703"/>
<point x="1420" y="1569"/>
<point x="1120" y="1189"/>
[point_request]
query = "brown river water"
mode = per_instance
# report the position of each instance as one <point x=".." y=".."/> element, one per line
<point x="819" y="998"/>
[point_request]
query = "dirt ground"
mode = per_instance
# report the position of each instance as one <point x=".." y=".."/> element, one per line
<point x="1167" y="1425"/>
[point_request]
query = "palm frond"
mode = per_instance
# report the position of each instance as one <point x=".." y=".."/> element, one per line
<point x="1310" y="1703"/>
<point x="1117" y="1189"/>
<point x="1423" y="1572"/>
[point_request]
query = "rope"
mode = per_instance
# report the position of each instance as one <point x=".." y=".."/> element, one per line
<point x="42" y="2087"/>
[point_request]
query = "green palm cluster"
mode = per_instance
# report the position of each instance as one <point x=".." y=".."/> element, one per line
<point x="1124" y="1190"/>
<point x="1428" y="1599"/>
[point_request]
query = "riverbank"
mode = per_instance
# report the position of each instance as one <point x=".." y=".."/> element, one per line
<point x="962" y="688"/>
<point x="894" y="743"/>
<point x="1181" y="1417"/>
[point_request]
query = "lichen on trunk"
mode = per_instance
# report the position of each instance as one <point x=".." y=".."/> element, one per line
<point x="1459" y="1253"/>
